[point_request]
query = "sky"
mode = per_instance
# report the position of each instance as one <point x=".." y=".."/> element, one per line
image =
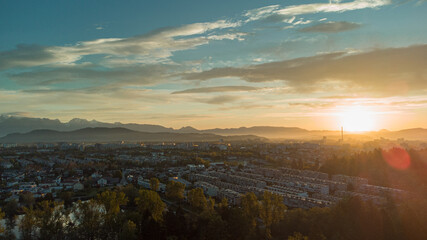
<point x="208" y="64"/>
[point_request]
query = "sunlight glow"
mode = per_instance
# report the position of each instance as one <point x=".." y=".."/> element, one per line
<point x="357" y="119"/>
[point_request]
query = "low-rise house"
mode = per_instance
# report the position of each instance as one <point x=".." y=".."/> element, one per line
<point x="78" y="186"/>
<point x="102" y="182"/>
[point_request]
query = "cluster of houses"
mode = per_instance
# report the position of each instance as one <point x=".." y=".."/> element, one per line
<point x="299" y="188"/>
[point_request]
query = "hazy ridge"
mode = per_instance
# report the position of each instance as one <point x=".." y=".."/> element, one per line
<point x="79" y="128"/>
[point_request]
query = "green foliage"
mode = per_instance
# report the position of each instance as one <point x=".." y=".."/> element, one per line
<point x="150" y="201"/>
<point x="175" y="190"/>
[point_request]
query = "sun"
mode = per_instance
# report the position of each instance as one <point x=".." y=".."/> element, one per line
<point x="357" y="119"/>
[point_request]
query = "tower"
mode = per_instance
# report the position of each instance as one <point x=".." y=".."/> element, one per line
<point x="342" y="134"/>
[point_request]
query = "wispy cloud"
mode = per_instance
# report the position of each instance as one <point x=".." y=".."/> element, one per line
<point x="217" y="89"/>
<point x="331" y="27"/>
<point x="219" y="100"/>
<point x="142" y="75"/>
<point x="156" y="46"/>
<point x="277" y="13"/>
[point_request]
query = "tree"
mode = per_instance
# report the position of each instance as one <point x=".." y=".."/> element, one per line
<point x="250" y="207"/>
<point x="27" y="225"/>
<point x="1" y="218"/>
<point x="111" y="201"/>
<point x="175" y="190"/>
<point x="272" y="210"/>
<point x="197" y="199"/>
<point x="154" y="184"/>
<point x="118" y="174"/>
<point x="50" y="219"/>
<point x="131" y="193"/>
<point x="67" y="197"/>
<point x="27" y="199"/>
<point x="210" y="205"/>
<point x="89" y="219"/>
<point x="10" y="210"/>
<point x="223" y="204"/>
<point x="297" y="236"/>
<point x="128" y="231"/>
<point x="150" y="201"/>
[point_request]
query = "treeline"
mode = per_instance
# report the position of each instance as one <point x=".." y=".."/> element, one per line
<point x="130" y="213"/>
<point x="396" y="167"/>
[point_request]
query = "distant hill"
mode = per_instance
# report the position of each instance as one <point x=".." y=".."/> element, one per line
<point x="413" y="134"/>
<point x="268" y="132"/>
<point x="23" y="125"/>
<point x="104" y="135"/>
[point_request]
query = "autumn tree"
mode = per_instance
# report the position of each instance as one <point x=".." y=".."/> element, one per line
<point x="111" y="201"/>
<point x="272" y="210"/>
<point x="154" y="184"/>
<point x="50" y="218"/>
<point x="150" y="201"/>
<point x="1" y="218"/>
<point x="250" y="207"/>
<point x="128" y="231"/>
<point x="131" y="193"/>
<point x="297" y="236"/>
<point x="210" y="204"/>
<point x="27" y="225"/>
<point x="197" y="199"/>
<point x="10" y="210"/>
<point x="175" y="190"/>
<point x="89" y="219"/>
<point x="27" y="199"/>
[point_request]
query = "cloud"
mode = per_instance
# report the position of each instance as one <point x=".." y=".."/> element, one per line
<point x="332" y="7"/>
<point x="218" y="89"/>
<point x="275" y="13"/>
<point x="33" y="55"/>
<point x="155" y="46"/>
<point x="384" y="71"/>
<point x="15" y="114"/>
<point x="331" y="27"/>
<point x="159" y="45"/>
<point x="220" y="99"/>
<point x="142" y="75"/>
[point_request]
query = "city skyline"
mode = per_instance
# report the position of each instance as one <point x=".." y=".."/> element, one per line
<point x="312" y="64"/>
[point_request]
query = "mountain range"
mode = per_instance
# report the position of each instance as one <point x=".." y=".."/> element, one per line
<point x="104" y="135"/>
<point x="20" y="125"/>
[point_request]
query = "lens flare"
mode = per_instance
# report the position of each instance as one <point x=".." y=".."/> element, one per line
<point x="397" y="158"/>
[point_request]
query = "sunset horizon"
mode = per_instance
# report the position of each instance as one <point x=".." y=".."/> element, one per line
<point x="313" y="65"/>
<point x="213" y="120"/>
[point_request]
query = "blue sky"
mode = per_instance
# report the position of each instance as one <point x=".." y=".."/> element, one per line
<point x="215" y="63"/>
